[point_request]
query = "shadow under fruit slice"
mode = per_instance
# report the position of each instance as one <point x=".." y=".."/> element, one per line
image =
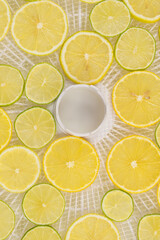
<point x="133" y="164"/>
<point x="71" y="164"/>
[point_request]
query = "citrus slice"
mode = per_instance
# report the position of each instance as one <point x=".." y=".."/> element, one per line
<point x="91" y="1"/>
<point x="19" y="169"/>
<point x="144" y="10"/>
<point x="149" y="227"/>
<point x="39" y="27"/>
<point x="157" y="135"/>
<point x="11" y="85"/>
<point x="110" y="18"/>
<point x="71" y="164"/>
<point x="133" y="164"/>
<point x="5" y="18"/>
<point x="41" y="233"/>
<point x="35" y="127"/>
<point x="44" y="83"/>
<point x="158" y="194"/>
<point x="117" y="205"/>
<point x="5" y="129"/>
<point x="135" y="49"/>
<point x="92" y="226"/>
<point x="136" y="98"/>
<point x="86" y="57"/>
<point x="43" y="204"/>
<point x="7" y="220"/>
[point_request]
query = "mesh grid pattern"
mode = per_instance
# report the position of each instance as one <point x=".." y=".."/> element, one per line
<point x="89" y="200"/>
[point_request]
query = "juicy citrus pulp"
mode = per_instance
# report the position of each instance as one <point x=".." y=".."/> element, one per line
<point x="44" y="83"/>
<point x="133" y="164"/>
<point x="35" y="127"/>
<point x="19" y="169"/>
<point x="117" y="205"/>
<point x="149" y="227"/>
<point x="157" y="135"/>
<point x="43" y="204"/>
<point x="91" y="1"/>
<point x="135" y="49"/>
<point x="86" y="57"/>
<point x="136" y="98"/>
<point x="110" y="18"/>
<point x="41" y="233"/>
<point x="92" y="226"/>
<point x="144" y="10"/>
<point x="158" y="194"/>
<point x="5" y="129"/>
<point x="7" y="220"/>
<point x="11" y="85"/>
<point x="39" y="27"/>
<point x="5" y="18"/>
<point x="71" y="164"/>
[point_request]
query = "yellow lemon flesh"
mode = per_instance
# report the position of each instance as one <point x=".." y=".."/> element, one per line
<point x="5" y="129"/>
<point x="5" y="18"/>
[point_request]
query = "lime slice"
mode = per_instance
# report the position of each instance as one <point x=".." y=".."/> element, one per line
<point x="42" y="233"/>
<point x="19" y="169"/>
<point x="35" y="127"/>
<point x="39" y="27"/>
<point x="5" y="18"/>
<point x="7" y="220"/>
<point x="110" y="18"/>
<point x="91" y="1"/>
<point x="11" y="85"/>
<point x="144" y="10"/>
<point x="43" y="204"/>
<point x="44" y="83"/>
<point x="66" y="164"/>
<point x="149" y="227"/>
<point x="133" y="164"/>
<point x="136" y="98"/>
<point x="117" y="205"/>
<point x="158" y="194"/>
<point x="135" y="49"/>
<point x="5" y="129"/>
<point x="86" y="57"/>
<point x="92" y="226"/>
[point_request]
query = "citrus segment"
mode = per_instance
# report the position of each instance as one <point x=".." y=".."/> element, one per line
<point x="7" y="220"/>
<point x="71" y="164"/>
<point x="86" y="57"/>
<point x="92" y="226"/>
<point x="35" y="127"/>
<point x="19" y="169"/>
<point x="11" y="85"/>
<point x="44" y="83"/>
<point x="43" y="204"/>
<point x="5" y="18"/>
<point x="39" y="27"/>
<point x="5" y="129"/>
<point x="135" y="49"/>
<point x="110" y="18"/>
<point x="133" y="164"/>
<point x="136" y="98"/>
<point x="117" y="205"/>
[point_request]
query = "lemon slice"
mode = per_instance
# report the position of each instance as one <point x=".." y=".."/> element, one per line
<point x="86" y="57"/>
<point x="7" y="220"/>
<point x="110" y="18"/>
<point x="41" y="233"/>
<point x="157" y="135"/>
<point x="71" y="164"/>
<point x="158" y="194"/>
<point x="11" y="85"/>
<point x="5" y="129"/>
<point x="135" y="49"/>
<point x="136" y="98"/>
<point x="144" y="10"/>
<point x="39" y="27"/>
<point x="19" y="169"/>
<point x="35" y="127"/>
<point x="44" y="83"/>
<point x="5" y="18"/>
<point x="149" y="227"/>
<point x="91" y="1"/>
<point x="92" y="226"/>
<point x="117" y="205"/>
<point x="133" y="164"/>
<point x="43" y="204"/>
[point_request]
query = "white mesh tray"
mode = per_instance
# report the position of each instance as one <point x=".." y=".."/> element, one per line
<point x="89" y="200"/>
